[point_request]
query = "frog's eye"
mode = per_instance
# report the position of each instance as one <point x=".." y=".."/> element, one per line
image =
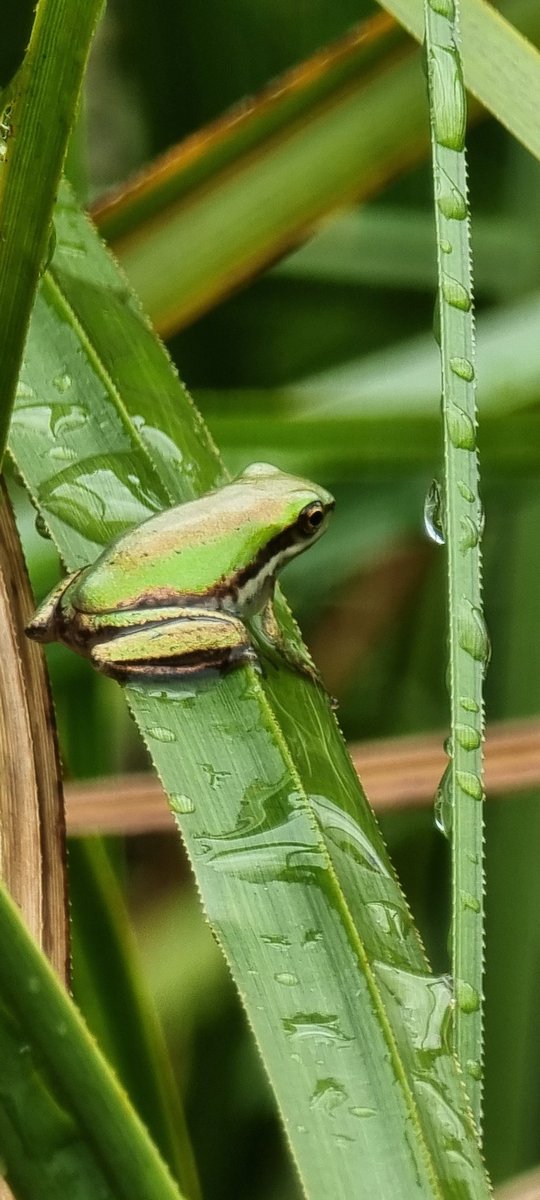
<point x="311" y="518"/>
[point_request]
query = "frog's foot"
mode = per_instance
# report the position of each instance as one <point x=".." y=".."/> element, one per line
<point x="279" y="649"/>
<point x="186" y="645"/>
<point x="44" y="624"/>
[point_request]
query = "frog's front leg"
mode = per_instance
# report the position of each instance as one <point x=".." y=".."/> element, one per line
<point x="190" y="642"/>
<point x="278" y="647"/>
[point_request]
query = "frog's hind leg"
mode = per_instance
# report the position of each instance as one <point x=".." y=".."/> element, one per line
<point x="44" y="624"/>
<point x="186" y="645"/>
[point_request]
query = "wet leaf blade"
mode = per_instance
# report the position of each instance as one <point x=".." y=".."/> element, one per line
<point x="461" y="791"/>
<point x="240" y="782"/>
<point x="33" y="147"/>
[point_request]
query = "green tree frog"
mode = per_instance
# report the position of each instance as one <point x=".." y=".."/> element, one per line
<point x="170" y="597"/>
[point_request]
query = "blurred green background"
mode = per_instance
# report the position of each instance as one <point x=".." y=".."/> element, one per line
<point x="371" y="599"/>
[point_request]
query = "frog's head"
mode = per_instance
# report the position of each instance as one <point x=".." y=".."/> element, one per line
<point x="296" y="511"/>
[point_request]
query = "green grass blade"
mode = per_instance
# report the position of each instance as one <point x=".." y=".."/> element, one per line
<point x="461" y="790"/>
<point x="36" y="114"/>
<point x="500" y="67"/>
<point x="293" y="873"/>
<point x="66" y="1128"/>
<point x="118" y="1007"/>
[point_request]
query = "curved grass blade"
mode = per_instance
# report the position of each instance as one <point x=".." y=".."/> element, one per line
<point x="462" y="789"/>
<point x="293" y="873"/>
<point x="36" y="113"/>
<point x="67" y="1131"/>
<point x="118" y="1008"/>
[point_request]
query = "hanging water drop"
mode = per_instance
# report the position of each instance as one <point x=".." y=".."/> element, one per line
<point x="444" y="810"/>
<point x="433" y="513"/>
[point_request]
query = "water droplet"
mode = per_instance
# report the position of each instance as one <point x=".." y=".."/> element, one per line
<point x="467" y="997"/>
<point x="62" y="1028"/>
<point x="433" y="513"/>
<point x="311" y="937"/>
<point x="161" y="733"/>
<point x="474" y="1068"/>
<point x="262" y="856"/>
<point x="471" y="784"/>
<point x="328" y="1094"/>
<point x="465" y="491"/>
<point x="445" y="246"/>
<point x="215" y="778"/>
<point x="469" y="704"/>
<point x="65" y="419"/>
<point x="450" y="201"/>
<point x="42" y="528"/>
<point x="49" y="250"/>
<point x="470" y="534"/>
<point x="321" y="1026"/>
<point x="444" y="808"/>
<point x="358" y="1111"/>
<point x="455" y="293"/>
<point x="286" y="978"/>
<point x="472" y="632"/>
<point x="179" y="802"/>
<point x="449" y="112"/>
<point x="62" y="382"/>
<point x="63" y="453"/>
<point x="468" y="737"/>
<point x="5" y="131"/>
<point x="461" y="428"/>
<point x="345" y="836"/>
<point x="469" y="902"/>
<point x="34" y="985"/>
<point x="445" y="8"/>
<point x="276" y="939"/>
<point x="462" y="367"/>
<point x="424" y="1003"/>
<point x="436" y="325"/>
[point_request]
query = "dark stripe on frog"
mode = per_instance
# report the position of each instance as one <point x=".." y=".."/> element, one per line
<point x="194" y="663"/>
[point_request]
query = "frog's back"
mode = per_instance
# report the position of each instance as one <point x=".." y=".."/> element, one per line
<point x="189" y="553"/>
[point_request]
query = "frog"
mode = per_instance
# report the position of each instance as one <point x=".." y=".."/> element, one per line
<point x="174" y="595"/>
